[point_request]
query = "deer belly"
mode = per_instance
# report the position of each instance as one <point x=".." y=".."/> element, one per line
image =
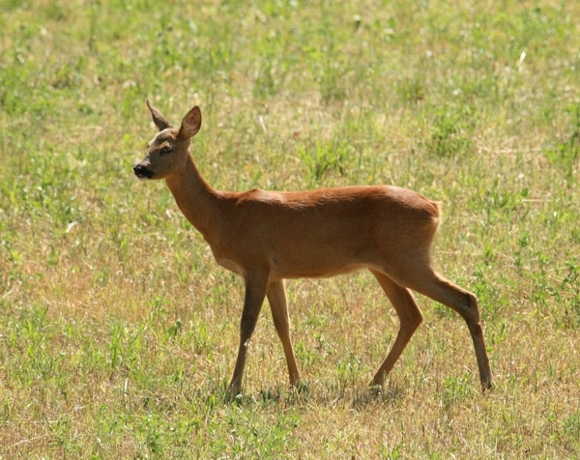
<point x="229" y="265"/>
<point x="309" y="268"/>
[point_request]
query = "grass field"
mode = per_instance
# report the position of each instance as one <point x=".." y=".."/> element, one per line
<point x="118" y="331"/>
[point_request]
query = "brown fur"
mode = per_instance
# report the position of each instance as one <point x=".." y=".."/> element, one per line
<point x="267" y="236"/>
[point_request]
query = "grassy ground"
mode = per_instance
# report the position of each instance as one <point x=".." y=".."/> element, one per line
<point x="117" y="329"/>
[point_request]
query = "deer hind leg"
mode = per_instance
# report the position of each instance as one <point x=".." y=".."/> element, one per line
<point x="277" y="299"/>
<point x="256" y="285"/>
<point x="410" y="318"/>
<point x="429" y="283"/>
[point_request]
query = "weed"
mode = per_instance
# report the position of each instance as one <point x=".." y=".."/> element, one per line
<point x="449" y="136"/>
<point x="323" y="159"/>
<point x="566" y="153"/>
<point x="411" y="90"/>
<point x="455" y="390"/>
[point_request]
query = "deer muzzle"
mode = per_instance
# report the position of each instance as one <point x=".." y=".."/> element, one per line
<point x="142" y="172"/>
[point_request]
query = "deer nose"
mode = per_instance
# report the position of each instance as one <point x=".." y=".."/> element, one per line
<point x="142" y="172"/>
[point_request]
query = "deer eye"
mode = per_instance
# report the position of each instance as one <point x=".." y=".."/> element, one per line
<point x="167" y="149"/>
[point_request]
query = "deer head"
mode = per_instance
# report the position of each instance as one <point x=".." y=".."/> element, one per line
<point x="167" y="152"/>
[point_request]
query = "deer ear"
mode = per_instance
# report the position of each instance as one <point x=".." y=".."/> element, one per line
<point x="190" y="124"/>
<point x="158" y="118"/>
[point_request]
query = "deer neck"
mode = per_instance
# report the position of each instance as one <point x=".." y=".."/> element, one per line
<point x="196" y="199"/>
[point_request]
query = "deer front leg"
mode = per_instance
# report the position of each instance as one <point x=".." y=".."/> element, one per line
<point x="277" y="299"/>
<point x="256" y="285"/>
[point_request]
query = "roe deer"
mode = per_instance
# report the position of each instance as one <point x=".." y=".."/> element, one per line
<point x="267" y="236"/>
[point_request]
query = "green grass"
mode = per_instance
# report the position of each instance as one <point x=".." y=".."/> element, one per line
<point x="118" y="331"/>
